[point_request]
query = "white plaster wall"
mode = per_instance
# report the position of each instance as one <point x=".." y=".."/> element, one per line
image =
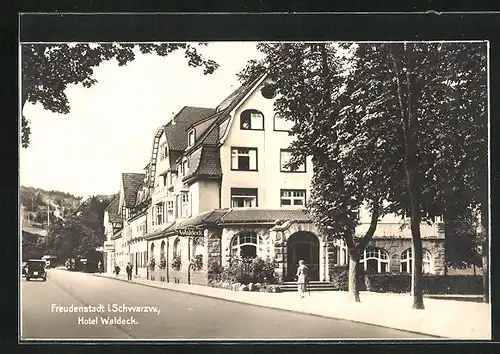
<point x="268" y="179"/>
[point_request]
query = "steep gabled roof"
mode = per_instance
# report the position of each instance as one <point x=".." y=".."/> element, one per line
<point x="204" y="162"/>
<point x="212" y="135"/>
<point x="112" y="209"/>
<point x="175" y="130"/>
<point x="131" y="184"/>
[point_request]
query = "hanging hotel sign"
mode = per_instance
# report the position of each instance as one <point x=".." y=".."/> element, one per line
<point x="190" y="231"/>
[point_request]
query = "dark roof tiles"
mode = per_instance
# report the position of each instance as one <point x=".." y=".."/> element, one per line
<point x="112" y="209"/>
<point x="264" y="215"/>
<point x="175" y="130"/>
<point x="131" y="184"/>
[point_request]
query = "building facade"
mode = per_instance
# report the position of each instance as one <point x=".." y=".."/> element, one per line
<point x="218" y="186"/>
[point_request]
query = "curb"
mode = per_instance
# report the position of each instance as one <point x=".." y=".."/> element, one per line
<point x="276" y="308"/>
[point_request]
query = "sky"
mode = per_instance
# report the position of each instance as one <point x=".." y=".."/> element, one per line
<point x="110" y="127"/>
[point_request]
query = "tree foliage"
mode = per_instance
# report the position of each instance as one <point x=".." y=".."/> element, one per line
<point x="405" y="124"/>
<point x="80" y="234"/>
<point x="47" y="69"/>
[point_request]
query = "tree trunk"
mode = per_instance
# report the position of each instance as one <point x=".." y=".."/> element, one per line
<point x="408" y="116"/>
<point x="353" y="290"/>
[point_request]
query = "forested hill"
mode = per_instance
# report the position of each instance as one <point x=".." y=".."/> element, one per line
<point x="37" y="202"/>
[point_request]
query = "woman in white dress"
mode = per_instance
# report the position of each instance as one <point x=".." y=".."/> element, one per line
<point x="302" y="278"/>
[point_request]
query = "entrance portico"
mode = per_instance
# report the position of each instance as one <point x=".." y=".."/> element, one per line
<point x="304" y="246"/>
<point x="296" y="240"/>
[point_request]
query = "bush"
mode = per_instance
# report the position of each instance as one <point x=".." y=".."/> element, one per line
<point x="176" y="263"/>
<point x="152" y="264"/>
<point x="163" y="263"/>
<point x="388" y="283"/>
<point x="214" y="271"/>
<point x="432" y="284"/>
<point x="339" y="278"/>
<point x="249" y="270"/>
<point x="197" y="262"/>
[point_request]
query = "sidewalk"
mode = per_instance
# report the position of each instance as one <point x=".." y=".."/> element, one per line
<point x="442" y="317"/>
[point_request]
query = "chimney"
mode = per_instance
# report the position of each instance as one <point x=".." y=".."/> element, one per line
<point x="173" y="118"/>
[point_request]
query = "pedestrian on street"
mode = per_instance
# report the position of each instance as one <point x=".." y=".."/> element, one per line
<point x="99" y="265"/>
<point x="302" y="278"/>
<point x="117" y="269"/>
<point x="129" y="271"/>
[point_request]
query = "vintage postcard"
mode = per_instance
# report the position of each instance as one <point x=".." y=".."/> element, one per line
<point x="274" y="190"/>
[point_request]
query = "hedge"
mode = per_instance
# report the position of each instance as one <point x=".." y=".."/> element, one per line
<point x="401" y="283"/>
<point x="432" y="284"/>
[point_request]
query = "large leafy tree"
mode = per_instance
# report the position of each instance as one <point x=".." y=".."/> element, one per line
<point x="47" y="69"/>
<point x="415" y="111"/>
<point x="80" y="233"/>
<point x="308" y="78"/>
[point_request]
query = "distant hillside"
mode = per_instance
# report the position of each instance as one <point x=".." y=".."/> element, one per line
<point x="37" y="202"/>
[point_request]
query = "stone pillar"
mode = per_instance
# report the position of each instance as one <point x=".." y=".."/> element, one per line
<point x="275" y="238"/>
<point x="214" y="247"/>
<point x="324" y="270"/>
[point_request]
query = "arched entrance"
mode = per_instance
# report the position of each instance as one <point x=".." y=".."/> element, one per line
<point x="303" y="245"/>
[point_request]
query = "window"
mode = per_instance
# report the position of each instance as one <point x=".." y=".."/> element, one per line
<point x="177" y="248"/>
<point x="164" y="180"/>
<point x="191" y="138"/>
<point x="244" y="159"/>
<point x="162" y="250"/>
<point x="185" y="205"/>
<point x="170" y="210"/>
<point x="251" y="119"/>
<point x="243" y="197"/>
<point x="291" y="197"/>
<point x="185" y="167"/>
<point x="375" y="260"/>
<point x="152" y="252"/>
<point x="407" y="262"/>
<point x="285" y="157"/>
<point x="281" y="124"/>
<point x="159" y="214"/>
<point x="247" y="244"/>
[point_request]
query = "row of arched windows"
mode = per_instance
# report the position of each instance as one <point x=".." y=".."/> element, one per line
<point x="252" y="119"/>
<point x="176" y="249"/>
<point x="377" y="260"/>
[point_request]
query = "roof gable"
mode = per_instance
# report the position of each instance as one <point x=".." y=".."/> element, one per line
<point x="113" y="208"/>
<point x="175" y="130"/>
<point x="131" y="184"/>
<point x="212" y="134"/>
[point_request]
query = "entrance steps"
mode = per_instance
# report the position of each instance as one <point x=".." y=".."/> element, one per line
<point x="313" y="286"/>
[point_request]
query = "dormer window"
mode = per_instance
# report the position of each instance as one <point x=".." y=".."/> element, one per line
<point x="251" y="119"/>
<point x="191" y="137"/>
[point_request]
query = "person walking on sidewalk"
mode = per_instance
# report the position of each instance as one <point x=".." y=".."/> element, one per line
<point x="302" y="278"/>
<point x="117" y="269"/>
<point x="129" y="271"/>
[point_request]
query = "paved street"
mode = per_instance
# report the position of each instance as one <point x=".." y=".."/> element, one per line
<point x="179" y="315"/>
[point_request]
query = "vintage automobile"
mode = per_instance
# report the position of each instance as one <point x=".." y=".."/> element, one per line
<point x="36" y="269"/>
